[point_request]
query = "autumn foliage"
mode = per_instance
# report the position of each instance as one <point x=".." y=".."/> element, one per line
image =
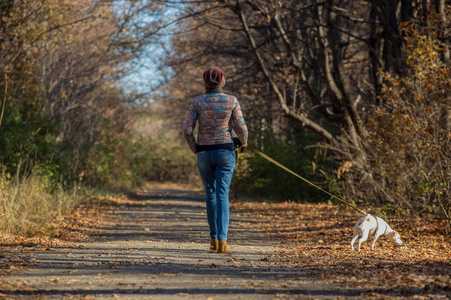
<point x="342" y="91"/>
<point x="64" y="119"/>
<point x="366" y="83"/>
<point x="410" y="135"/>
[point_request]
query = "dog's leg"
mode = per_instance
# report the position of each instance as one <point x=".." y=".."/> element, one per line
<point x="362" y="239"/>
<point x="354" y="238"/>
<point x="376" y="236"/>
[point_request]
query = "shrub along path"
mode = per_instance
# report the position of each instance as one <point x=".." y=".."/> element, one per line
<point x="154" y="245"/>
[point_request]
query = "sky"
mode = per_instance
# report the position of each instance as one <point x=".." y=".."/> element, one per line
<point x="148" y="70"/>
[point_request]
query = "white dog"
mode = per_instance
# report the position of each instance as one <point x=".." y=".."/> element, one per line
<point x="374" y="227"/>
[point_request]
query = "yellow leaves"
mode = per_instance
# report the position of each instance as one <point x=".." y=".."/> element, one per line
<point x="422" y="51"/>
<point x="344" y="168"/>
<point x="63" y="95"/>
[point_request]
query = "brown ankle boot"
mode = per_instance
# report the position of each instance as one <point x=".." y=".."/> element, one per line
<point x="222" y="246"/>
<point x="214" y="245"/>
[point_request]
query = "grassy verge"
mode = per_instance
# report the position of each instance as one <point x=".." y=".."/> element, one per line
<point x="29" y="205"/>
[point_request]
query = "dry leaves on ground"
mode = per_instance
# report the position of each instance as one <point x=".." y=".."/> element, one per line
<point x="315" y="239"/>
<point x="68" y="232"/>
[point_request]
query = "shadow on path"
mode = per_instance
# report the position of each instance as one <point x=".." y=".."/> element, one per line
<point x="156" y="245"/>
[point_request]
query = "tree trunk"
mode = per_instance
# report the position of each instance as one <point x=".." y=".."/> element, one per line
<point x="387" y="13"/>
<point x="446" y="30"/>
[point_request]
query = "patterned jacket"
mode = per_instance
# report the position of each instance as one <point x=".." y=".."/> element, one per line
<point x="218" y="114"/>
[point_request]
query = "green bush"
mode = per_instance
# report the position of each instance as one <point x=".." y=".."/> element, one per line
<point x="164" y="158"/>
<point x="256" y="177"/>
<point x="26" y="138"/>
<point x="108" y="164"/>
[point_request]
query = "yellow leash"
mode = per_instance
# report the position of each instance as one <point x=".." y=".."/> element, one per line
<point x="293" y="173"/>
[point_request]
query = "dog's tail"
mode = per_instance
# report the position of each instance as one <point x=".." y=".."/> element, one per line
<point x="366" y="217"/>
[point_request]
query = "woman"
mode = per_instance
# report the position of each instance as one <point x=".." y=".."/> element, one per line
<point x="217" y="114"/>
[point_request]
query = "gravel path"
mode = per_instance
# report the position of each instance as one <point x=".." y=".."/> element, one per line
<point x="155" y="246"/>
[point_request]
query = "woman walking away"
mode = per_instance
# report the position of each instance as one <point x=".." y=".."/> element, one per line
<point x="218" y="114"/>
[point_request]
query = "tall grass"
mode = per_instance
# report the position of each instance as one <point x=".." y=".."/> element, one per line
<point x="28" y="205"/>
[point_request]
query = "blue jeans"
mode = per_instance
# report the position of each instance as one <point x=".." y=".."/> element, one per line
<point x="216" y="169"/>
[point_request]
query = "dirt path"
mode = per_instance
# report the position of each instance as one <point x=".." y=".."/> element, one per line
<point x="155" y="246"/>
